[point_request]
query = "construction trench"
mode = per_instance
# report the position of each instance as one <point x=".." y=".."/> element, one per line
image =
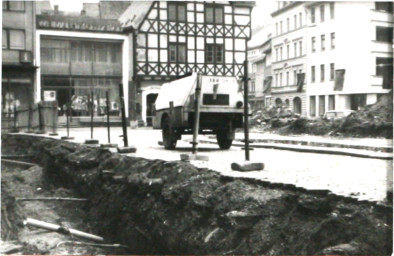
<point x="159" y="207"/>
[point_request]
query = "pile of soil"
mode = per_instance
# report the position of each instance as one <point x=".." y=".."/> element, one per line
<point x="374" y="120"/>
<point x="158" y="207"/>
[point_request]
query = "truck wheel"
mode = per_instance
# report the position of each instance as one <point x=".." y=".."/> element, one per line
<point x="169" y="139"/>
<point x="223" y="141"/>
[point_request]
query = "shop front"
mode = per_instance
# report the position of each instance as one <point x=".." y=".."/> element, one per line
<point x="80" y="70"/>
<point x="17" y="88"/>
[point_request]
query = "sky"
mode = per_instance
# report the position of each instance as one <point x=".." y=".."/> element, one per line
<point x="260" y="15"/>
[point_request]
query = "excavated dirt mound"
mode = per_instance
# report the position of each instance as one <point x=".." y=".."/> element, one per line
<point x="158" y="207"/>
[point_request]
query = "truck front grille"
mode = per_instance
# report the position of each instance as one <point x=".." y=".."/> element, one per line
<point x="221" y="99"/>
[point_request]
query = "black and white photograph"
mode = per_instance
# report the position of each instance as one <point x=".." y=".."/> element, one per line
<point x="197" y="127"/>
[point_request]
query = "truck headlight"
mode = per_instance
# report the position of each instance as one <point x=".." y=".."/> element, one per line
<point x="239" y="104"/>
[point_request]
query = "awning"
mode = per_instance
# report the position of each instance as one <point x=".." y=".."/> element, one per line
<point x="300" y="81"/>
<point x="387" y="77"/>
<point x="267" y="84"/>
<point x="339" y="79"/>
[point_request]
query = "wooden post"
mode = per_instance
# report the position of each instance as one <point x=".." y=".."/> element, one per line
<point x="196" y="123"/>
<point x="15" y="129"/>
<point x="30" y="120"/>
<point x="91" y="100"/>
<point x="40" y="119"/>
<point x="121" y="95"/>
<point x="246" y="119"/>
<point x="107" y="107"/>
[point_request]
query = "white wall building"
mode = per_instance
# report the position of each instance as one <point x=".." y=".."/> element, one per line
<point x="289" y="57"/>
<point x="350" y="37"/>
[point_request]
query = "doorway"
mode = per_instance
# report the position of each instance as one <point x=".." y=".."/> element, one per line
<point x="150" y="100"/>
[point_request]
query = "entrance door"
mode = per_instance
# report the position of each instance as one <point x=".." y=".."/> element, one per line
<point x="150" y="100"/>
<point x="297" y="105"/>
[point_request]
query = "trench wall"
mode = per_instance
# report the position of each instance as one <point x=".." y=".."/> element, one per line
<point x="158" y="207"/>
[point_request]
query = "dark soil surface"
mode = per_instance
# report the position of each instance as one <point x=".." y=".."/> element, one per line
<point x="158" y="207"/>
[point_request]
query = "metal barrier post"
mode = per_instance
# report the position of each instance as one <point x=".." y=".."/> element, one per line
<point x="54" y="121"/>
<point x="15" y="129"/>
<point x="246" y="124"/>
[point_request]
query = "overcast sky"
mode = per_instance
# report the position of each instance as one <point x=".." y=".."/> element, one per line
<point x="260" y="15"/>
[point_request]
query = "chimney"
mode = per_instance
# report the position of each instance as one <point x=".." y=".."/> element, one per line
<point x="56" y="9"/>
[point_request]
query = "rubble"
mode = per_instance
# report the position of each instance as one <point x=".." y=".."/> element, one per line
<point x="163" y="207"/>
<point x="374" y="120"/>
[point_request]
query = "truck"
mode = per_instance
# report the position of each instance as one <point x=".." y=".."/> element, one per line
<point x="220" y="107"/>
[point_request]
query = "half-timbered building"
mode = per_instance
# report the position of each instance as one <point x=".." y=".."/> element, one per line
<point x="171" y="39"/>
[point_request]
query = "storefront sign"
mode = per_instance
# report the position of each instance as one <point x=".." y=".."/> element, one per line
<point x="47" y="22"/>
<point x="49" y="95"/>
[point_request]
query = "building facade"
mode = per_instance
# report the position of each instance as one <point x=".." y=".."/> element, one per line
<point x="260" y="69"/>
<point x="171" y="39"/>
<point x="81" y="58"/>
<point x="289" y="57"/>
<point x="348" y="57"/>
<point x="18" y="54"/>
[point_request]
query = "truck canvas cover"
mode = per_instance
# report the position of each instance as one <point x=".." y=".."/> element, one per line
<point x="177" y="91"/>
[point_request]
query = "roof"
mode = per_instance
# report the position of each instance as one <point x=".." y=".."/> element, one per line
<point x="112" y="9"/>
<point x="260" y="37"/>
<point x="135" y="14"/>
<point x="287" y="7"/>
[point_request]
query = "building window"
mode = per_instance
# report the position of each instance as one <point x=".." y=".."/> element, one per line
<point x="313" y="74"/>
<point x="300" y="48"/>
<point x="177" y="11"/>
<point x="312" y="105"/>
<point x="313" y="15"/>
<point x="288" y="51"/>
<point x="295" y="77"/>
<point x="276" y="26"/>
<point x="322" y="73"/>
<point x="331" y="102"/>
<point x="321" y="13"/>
<point x="323" y="42"/>
<point x="295" y="21"/>
<point x="276" y="54"/>
<point x="17" y="39"/>
<point x="384" y="6"/>
<point x="18" y="6"/>
<point x="333" y="40"/>
<point x="332" y="71"/>
<point x="384" y="34"/>
<point x="5" y="39"/>
<point x="332" y="10"/>
<point x="281" y="53"/>
<point x="214" y="14"/>
<point x="288" y="24"/>
<point x="382" y="64"/>
<point x="281" y="30"/>
<point x="280" y="75"/>
<point x="295" y="49"/>
<point x="276" y="79"/>
<point x="300" y="19"/>
<point x="177" y="52"/>
<point x="214" y="53"/>
<point x="287" y="78"/>
<point x="313" y="44"/>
